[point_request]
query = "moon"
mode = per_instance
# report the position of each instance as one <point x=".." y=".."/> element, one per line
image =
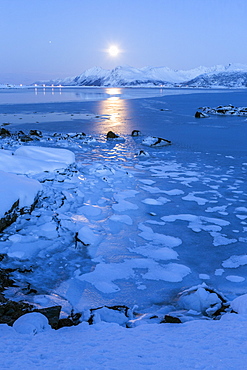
<point x="113" y="51"/>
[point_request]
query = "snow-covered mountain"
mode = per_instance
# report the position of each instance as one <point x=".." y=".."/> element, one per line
<point x="232" y="75"/>
<point x="234" y="79"/>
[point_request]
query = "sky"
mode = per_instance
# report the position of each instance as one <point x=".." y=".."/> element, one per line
<point x="46" y="39"/>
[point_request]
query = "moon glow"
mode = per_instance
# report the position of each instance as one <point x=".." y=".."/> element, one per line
<point x="113" y="51"/>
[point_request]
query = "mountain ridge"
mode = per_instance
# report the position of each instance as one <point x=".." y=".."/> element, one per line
<point x="230" y="76"/>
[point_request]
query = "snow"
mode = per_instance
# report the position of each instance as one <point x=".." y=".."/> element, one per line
<point x="29" y="160"/>
<point x="113" y="228"/>
<point x="16" y="188"/>
<point x="46" y="154"/>
<point x="195" y="344"/>
<point x="31" y="323"/>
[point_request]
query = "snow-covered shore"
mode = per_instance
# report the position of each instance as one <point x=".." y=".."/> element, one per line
<point x="193" y="345"/>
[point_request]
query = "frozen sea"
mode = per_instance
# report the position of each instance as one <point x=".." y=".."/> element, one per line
<point x="156" y="224"/>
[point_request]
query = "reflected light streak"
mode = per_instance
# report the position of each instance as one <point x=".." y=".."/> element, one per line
<point x="115" y="110"/>
<point x="114" y="91"/>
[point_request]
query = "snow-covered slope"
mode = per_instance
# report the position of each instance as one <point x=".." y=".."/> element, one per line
<point x="232" y="75"/>
<point x="234" y="79"/>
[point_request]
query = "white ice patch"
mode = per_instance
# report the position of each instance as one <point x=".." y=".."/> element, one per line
<point x="29" y="249"/>
<point x="152" y="202"/>
<point x="235" y="278"/>
<point x="89" y="210"/>
<point x="173" y="272"/>
<point x="148" y="234"/>
<point x="219" y="272"/>
<point x="163" y="253"/>
<point x="192" y="198"/>
<point x="173" y="192"/>
<point x="235" y="261"/>
<point x="122" y="218"/>
<point x="241" y="217"/>
<point x="104" y="275"/>
<point x="147" y="181"/>
<point x="198" y="223"/>
<point x="125" y="194"/>
<point x="88" y="236"/>
<point x="220" y="239"/>
<point x="219" y="209"/>
<point x="123" y="206"/>
<point x="241" y="209"/>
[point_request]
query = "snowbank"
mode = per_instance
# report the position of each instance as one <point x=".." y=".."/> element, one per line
<point x="30" y="160"/>
<point x="198" y="344"/>
<point x="17" y="188"/>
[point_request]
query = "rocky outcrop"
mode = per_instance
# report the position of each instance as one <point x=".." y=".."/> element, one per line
<point x="225" y="110"/>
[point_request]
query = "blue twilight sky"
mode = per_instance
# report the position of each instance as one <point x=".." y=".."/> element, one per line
<point x="43" y="39"/>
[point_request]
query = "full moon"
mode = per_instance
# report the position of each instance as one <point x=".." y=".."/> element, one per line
<point x="113" y="51"/>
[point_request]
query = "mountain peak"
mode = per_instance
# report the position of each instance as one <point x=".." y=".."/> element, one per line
<point x="125" y="75"/>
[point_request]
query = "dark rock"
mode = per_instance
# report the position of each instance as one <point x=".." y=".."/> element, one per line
<point x="111" y="135"/>
<point x="14" y="212"/>
<point x="200" y="115"/>
<point x="78" y="240"/>
<point x="135" y="133"/>
<point x="4" y="133"/>
<point x="26" y="139"/>
<point x="11" y="311"/>
<point x="9" y="217"/>
<point x="52" y="314"/>
<point x="72" y="320"/>
<point x="5" y="280"/>
<point x="64" y="322"/>
<point x="171" y="319"/>
<point x="80" y="135"/>
<point x="35" y="133"/>
<point x="142" y="153"/>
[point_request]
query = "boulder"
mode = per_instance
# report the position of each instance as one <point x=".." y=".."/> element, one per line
<point x="154" y="141"/>
<point x="11" y="311"/>
<point x="135" y="133"/>
<point x="35" y="133"/>
<point x="111" y="135"/>
<point x="52" y="314"/>
<point x="142" y="153"/>
<point x="200" y="115"/>
<point x="171" y="319"/>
